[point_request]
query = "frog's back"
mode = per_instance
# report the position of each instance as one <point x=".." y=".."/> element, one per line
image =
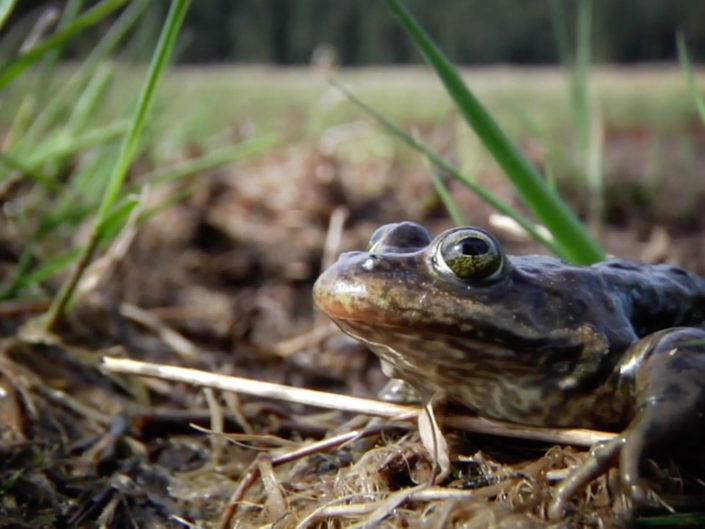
<point x="655" y="296"/>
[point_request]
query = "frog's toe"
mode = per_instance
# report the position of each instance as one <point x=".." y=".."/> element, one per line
<point x="630" y="458"/>
<point x="602" y="457"/>
<point x="626" y="450"/>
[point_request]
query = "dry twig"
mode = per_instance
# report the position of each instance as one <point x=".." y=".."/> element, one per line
<point x="322" y="399"/>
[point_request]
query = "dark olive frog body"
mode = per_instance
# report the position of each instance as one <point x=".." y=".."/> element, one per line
<point x="529" y="339"/>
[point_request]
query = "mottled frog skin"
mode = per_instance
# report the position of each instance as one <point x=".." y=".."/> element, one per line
<point x="531" y="339"/>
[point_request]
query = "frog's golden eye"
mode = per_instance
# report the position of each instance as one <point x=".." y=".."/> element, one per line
<point x="470" y="253"/>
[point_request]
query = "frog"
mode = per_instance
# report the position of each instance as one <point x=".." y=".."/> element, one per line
<point x="617" y="345"/>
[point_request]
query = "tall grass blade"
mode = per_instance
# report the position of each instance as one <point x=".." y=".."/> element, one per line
<point x="687" y="68"/>
<point x="64" y="145"/>
<point x="29" y="57"/>
<point x="40" y="83"/>
<point x="589" y="133"/>
<point x="159" y="63"/>
<point x="160" y="59"/>
<point x="69" y="15"/>
<point x="51" y="268"/>
<point x="571" y="237"/>
<point x="21" y="169"/>
<point x="446" y="198"/>
<point x="20" y="271"/>
<point x="20" y="121"/>
<point x="580" y="81"/>
<point x="23" y="279"/>
<point x="6" y="7"/>
<point x="52" y="110"/>
<point x="114" y="222"/>
<point x="442" y="164"/>
<point x="85" y="105"/>
<point x="588" y="125"/>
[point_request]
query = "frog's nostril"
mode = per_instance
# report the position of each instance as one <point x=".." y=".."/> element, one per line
<point x="369" y="263"/>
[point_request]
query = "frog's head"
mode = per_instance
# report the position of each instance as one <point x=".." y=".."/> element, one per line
<point x="406" y="280"/>
<point x="459" y="300"/>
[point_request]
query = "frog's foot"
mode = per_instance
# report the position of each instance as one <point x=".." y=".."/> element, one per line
<point x="668" y="373"/>
<point x="397" y="390"/>
<point x="603" y="456"/>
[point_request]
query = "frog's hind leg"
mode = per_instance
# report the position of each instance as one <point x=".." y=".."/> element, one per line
<point x="667" y="373"/>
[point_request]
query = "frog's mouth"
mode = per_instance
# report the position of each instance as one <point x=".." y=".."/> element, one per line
<point x="430" y="356"/>
<point x="370" y="304"/>
<point x="466" y="370"/>
<point x="422" y="345"/>
<point x="381" y="323"/>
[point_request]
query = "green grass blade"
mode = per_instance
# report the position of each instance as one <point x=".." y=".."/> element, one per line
<point x="589" y="132"/>
<point x="580" y="81"/>
<point x="571" y="237"/>
<point x="687" y="68"/>
<point x="6" y="7"/>
<point x="160" y="59"/>
<point x="52" y="110"/>
<point x="23" y="170"/>
<point x="673" y="520"/>
<point x="156" y="69"/>
<point x="47" y="270"/>
<point x="17" y="280"/>
<point x="85" y="105"/>
<point x="114" y="222"/>
<point x="54" y="149"/>
<point x="588" y="126"/>
<point x="68" y="16"/>
<point x="87" y="19"/>
<point x="48" y="62"/>
<point x="65" y="213"/>
<point x="437" y="160"/>
<point x="63" y="145"/>
<point x="446" y="198"/>
<point x="51" y="268"/>
<point x="20" y="122"/>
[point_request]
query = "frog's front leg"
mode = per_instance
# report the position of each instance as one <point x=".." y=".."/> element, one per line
<point x="667" y="373"/>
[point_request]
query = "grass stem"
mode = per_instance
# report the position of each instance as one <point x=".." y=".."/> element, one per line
<point x="160" y="59"/>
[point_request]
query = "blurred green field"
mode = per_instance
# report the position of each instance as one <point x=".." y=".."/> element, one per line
<point x="645" y="117"/>
<point x="203" y="100"/>
<point x="195" y="104"/>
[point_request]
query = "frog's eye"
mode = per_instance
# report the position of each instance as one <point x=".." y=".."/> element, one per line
<point x="470" y="253"/>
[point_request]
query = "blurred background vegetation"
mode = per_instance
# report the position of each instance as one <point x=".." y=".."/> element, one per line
<point x="362" y="32"/>
<point x="611" y="140"/>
